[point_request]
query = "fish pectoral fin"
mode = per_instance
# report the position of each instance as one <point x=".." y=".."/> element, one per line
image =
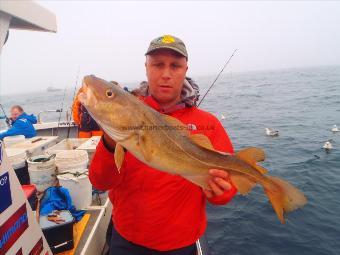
<point x="202" y="140"/>
<point x="144" y="149"/>
<point x="244" y="184"/>
<point x="251" y="156"/>
<point x="119" y="156"/>
<point x="179" y="126"/>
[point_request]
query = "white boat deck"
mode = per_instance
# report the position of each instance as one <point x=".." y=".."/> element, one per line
<point x="90" y="145"/>
<point x="36" y="145"/>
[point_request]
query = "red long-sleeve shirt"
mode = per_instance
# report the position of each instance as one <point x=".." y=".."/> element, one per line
<point x="153" y="208"/>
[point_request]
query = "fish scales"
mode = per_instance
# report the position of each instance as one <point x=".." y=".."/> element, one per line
<point x="164" y="143"/>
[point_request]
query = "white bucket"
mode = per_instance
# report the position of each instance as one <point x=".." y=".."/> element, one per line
<point x="66" y="145"/>
<point x="42" y="174"/>
<point x="17" y="157"/>
<point x="10" y="140"/>
<point x="80" y="188"/>
<point x="71" y="161"/>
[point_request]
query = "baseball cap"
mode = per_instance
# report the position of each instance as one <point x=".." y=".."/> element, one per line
<point x="168" y="42"/>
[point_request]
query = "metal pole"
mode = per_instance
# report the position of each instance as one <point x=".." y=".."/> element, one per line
<point x="217" y="77"/>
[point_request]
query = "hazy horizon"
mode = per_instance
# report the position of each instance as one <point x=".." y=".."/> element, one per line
<point x="227" y="73"/>
<point x="109" y="39"/>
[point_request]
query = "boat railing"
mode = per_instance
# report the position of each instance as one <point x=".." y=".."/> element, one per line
<point x="47" y="111"/>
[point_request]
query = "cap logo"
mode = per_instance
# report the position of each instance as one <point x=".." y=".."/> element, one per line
<point x="168" y="39"/>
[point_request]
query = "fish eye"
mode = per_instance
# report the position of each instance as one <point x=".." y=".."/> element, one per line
<point x="109" y="93"/>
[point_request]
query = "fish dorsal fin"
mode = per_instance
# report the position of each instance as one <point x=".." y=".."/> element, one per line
<point x="261" y="169"/>
<point x="179" y="126"/>
<point x="119" y="156"/>
<point x="252" y="155"/>
<point x="202" y="140"/>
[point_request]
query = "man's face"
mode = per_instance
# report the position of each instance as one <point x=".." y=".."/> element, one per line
<point x="166" y="72"/>
<point x="15" y="113"/>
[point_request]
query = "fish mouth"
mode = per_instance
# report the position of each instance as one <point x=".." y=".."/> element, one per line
<point x="86" y="96"/>
<point x="82" y="98"/>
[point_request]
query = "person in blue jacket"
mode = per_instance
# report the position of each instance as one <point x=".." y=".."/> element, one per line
<point x="22" y="123"/>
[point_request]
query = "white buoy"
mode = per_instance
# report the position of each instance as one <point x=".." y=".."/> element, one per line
<point x="327" y="145"/>
<point x="270" y="132"/>
<point x="222" y="117"/>
<point x="335" y="128"/>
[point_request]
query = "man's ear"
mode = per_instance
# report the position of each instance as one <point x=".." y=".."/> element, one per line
<point x="146" y="60"/>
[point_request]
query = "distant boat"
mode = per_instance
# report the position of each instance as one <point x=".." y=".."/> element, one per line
<point x="52" y="89"/>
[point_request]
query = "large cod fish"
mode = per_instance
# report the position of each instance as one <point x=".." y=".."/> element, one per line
<point x="165" y="143"/>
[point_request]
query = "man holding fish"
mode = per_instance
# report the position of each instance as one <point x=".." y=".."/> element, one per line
<point x="161" y="158"/>
<point x="153" y="210"/>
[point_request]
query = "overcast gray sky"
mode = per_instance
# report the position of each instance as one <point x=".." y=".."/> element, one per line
<point x="109" y="39"/>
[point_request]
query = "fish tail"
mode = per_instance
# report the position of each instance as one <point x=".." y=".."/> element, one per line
<point x="283" y="196"/>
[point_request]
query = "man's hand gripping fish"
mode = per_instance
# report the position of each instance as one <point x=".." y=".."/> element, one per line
<point x="164" y="143"/>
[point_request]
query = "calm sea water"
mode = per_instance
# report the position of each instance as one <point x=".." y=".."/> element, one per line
<point x="303" y="104"/>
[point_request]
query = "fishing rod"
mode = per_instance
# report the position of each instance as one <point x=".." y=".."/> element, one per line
<point x="8" y="120"/>
<point x="61" y="110"/>
<point x="217" y="77"/>
<point x="74" y="95"/>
